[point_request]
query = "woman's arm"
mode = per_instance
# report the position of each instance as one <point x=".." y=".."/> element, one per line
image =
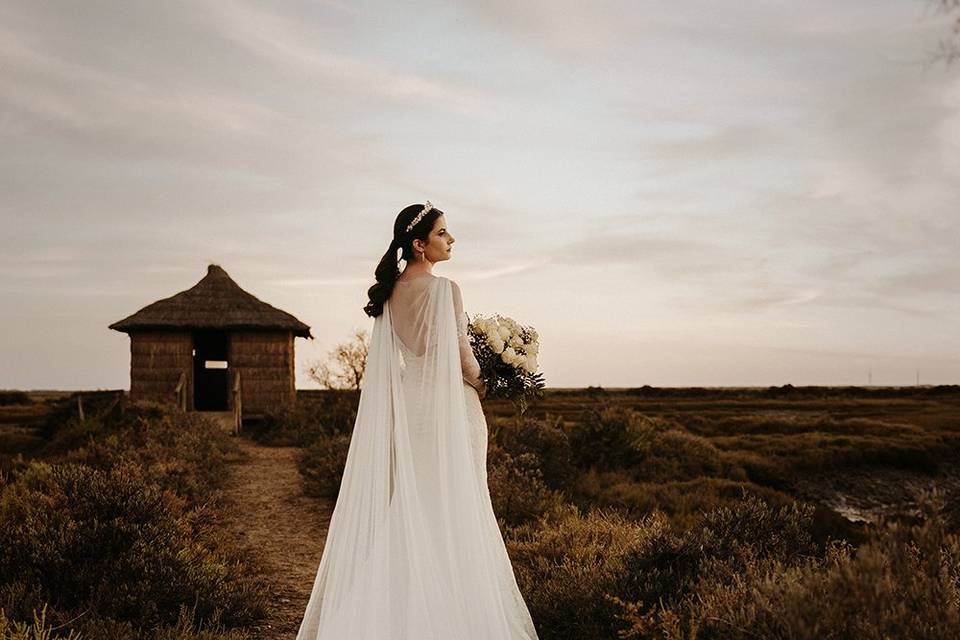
<point x="468" y="361"/>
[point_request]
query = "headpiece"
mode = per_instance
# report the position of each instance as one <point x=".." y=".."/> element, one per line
<point x="426" y="207"/>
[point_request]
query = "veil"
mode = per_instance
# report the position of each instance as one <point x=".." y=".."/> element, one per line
<point x="413" y="551"/>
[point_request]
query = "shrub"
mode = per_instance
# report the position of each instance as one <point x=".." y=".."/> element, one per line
<point x="583" y="576"/>
<point x="184" y="452"/>
<point x="684" y="501"/>
<point x="316" y="414"/>
<point x="668" y="573"/>
<point x="565" y="564"/>
<point x="8" y="398"/>
<point x="517" y="489"/>
<point x="611" y="437"/>
<point x="116" y="544"/>
<point x="322" y="464"/>
<point x="548" y="442"/>
<point x="96" y="627"/>
<point x="677" y="455"/>
<point x="761" y="470"/>
<point x="37" y="630"/>
<point x="903" y="583"/>
<point x="654" y="449"/>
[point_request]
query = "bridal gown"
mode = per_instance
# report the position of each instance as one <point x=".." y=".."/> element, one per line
<point x="414" y="551"/>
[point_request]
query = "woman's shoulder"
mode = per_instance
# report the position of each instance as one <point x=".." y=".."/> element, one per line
<point x="454" y="287"/>
<point x="444" y="280"/>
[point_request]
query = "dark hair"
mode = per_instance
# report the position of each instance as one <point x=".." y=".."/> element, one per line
<point x="389" y="268"/>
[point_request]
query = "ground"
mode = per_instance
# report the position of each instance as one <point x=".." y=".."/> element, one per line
<point x="265" y="509"/>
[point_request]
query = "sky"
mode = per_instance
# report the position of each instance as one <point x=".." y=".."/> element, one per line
<point x="671" y="193"/>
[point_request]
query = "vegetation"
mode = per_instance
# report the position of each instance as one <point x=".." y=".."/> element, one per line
<point x="344" y="365"/>
<point x="634" y="513"/>
<point x="317" y="413"/>
<point x="110" y="530"/>
<point x="699" y="513"/>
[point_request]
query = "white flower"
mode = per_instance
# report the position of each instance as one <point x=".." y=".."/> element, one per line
<point x="496" y="343"/>
<point x="504" y="332"/>
<point x="509" y="356"/>
<point x="515" y="342"/>
<point x="530" y="364"/>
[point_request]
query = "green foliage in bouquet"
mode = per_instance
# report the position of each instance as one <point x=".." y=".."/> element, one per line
<point x="507" y="353"/>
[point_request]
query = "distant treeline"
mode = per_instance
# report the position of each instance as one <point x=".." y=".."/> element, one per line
<point x="8" y="398"/>
<point x="784" y="391"/>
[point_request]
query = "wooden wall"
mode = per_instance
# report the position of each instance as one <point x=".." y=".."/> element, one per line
<point x="265" y="360"/>
<point x="267" y="374"/>
<point x="157" y="358"/>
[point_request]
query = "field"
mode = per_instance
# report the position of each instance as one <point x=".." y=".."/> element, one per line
<point x="628" y="513"/>
<point x="864" y="452"/>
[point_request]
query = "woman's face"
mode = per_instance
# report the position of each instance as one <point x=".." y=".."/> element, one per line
<point x="439" y="242"/>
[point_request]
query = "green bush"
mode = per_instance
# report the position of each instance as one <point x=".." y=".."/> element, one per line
<point x="684" y="501"/>
<point x="673" y="454"/>
<point x="547" y="440"/>
<point x="653" y="449"/>
<point x="114" y="543"/>
<point x="761" y="470"/>
<point x="517" y="488"/>
<point x="670" y="571"/>
<point x="611" y="437"/>
<point x="316" y="414"/>
<point x="322" y="464"/>
<point x="565" y="564"/>
<point x="904" y="583"/>
<point x="8" y="398"/>
<point x="39" y="629"/>
<point x="184" y="452"/>
<point x="582" y="576"/>
<point x="100" y="628"/>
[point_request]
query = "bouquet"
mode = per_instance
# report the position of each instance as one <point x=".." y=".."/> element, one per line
<point x="507" y="353"/>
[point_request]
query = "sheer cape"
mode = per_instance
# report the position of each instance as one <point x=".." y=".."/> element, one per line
<point x="413" y="550"/>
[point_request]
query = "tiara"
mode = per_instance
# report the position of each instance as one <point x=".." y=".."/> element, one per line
<point x="426" y="207"/>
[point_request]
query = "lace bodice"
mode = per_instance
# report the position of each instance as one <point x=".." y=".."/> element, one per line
<point x="407" y="304"/>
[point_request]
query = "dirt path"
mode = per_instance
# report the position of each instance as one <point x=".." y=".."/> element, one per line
<point x="266" y="509"/>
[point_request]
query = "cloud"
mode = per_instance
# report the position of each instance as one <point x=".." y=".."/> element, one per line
<point x="290" y="44"/>
<point x="38" y="83"/>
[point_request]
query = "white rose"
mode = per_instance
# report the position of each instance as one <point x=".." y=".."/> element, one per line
<point x="496" y="344"/>
<point x="530" y="364"/>
<point x="509" y="355"/>
<point x="504" y="333"/>
<point x="515" y="342"/>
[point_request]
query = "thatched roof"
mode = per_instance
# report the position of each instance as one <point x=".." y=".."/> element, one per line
<point x="216" y="302"/>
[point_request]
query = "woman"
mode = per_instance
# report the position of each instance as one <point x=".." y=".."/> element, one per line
<point x="414" y="551"/>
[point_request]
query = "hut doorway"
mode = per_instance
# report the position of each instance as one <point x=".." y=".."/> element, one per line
<point x="211" y="376"/>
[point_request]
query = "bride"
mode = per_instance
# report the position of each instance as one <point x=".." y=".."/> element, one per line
<point x="414" y="551"/>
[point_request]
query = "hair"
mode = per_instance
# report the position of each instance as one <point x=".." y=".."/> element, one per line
<point x="388" y="270"/>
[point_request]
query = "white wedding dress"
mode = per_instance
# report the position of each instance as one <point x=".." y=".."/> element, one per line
<point x="414" y="551"/>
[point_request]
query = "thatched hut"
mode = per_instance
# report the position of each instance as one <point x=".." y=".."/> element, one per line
<point x="213" y="347"/>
